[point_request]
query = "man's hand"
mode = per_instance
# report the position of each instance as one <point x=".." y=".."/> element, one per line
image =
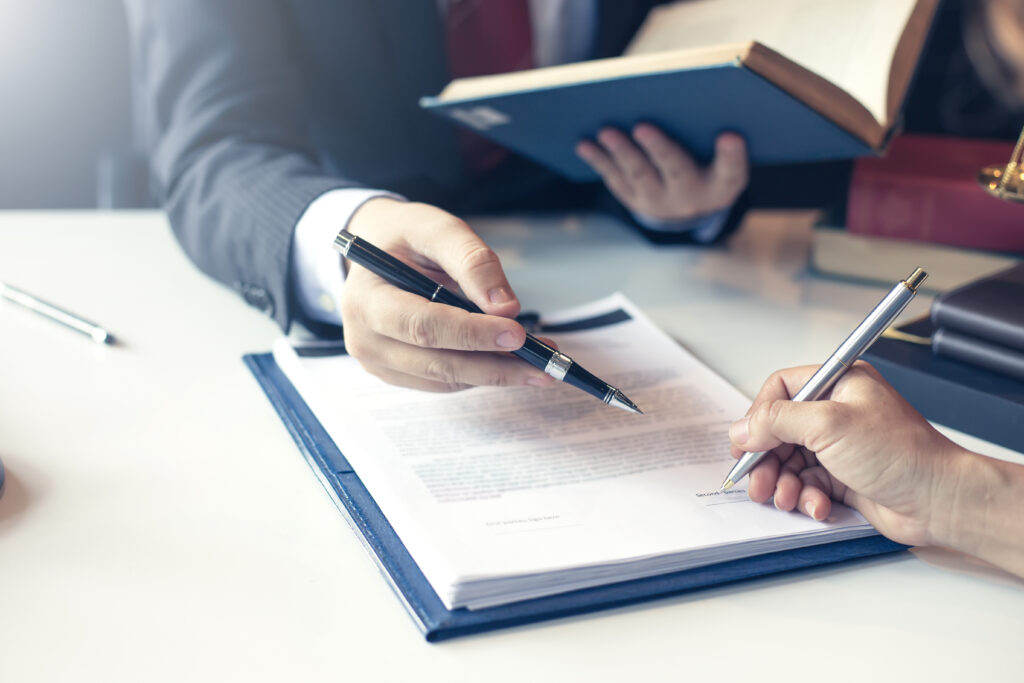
<point x="866" y="447"/>
<point x="407" y="340"/>
<point x="654" y="177"/>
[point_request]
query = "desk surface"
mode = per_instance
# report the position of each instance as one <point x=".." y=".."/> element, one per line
<point x="159" y="524"/>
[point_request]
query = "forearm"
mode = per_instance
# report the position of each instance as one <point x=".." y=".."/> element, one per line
<point x="233" y="211"/>
<point x="220" y="107"/>
<point x="981" y="510"/>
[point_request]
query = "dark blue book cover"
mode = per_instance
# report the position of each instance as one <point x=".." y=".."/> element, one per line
<point x="692" y="104"/>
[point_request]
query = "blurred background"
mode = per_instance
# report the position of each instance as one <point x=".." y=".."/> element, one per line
<point x="65" y="107"/>
<point x="65" y="103"/>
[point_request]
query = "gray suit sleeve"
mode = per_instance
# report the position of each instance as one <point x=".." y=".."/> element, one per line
<point x="218" y="98"/>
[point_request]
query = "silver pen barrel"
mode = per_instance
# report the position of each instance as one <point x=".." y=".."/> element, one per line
<point x="862" y="337"/>
<point x="56" y="314"/>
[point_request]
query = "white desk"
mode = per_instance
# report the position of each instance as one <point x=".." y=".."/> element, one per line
<point x="159" y="524"/>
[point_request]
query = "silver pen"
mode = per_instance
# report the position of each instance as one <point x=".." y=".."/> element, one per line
<point x="57" y="315"/>
<point x="881" y="317"/>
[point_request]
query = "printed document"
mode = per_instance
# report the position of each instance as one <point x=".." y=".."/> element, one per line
<point x="503" y="494"/>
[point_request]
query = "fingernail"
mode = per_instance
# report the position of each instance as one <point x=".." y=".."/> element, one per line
<point x="608" y="138"/>
<point x="508" y="340"/>
<point x="499" y="295"/>
<point x="729" y="146"/>
<point x="739" y="431"/>
<point x="811" y="509"/>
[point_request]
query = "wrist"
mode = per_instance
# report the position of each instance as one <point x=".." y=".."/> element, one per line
<point x="317" y="271"/>
<point x="373" y="211"/>
<point x="963" y="500"/>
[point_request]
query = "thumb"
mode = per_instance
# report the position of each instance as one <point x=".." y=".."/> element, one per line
<point x="460" y="252"/>
<point x="813" y="425"/>
<point x="729" y="171"/>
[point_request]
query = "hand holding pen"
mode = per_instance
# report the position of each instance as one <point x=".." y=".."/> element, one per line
<point x="404" y="339"/>
<point x="842" y="359"/>
<point x="403" y="336"/>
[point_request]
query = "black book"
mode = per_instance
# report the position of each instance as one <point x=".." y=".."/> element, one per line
<point x="968" y="398"/>
<point x="954" y="344"/>
<point x="989" y="309"/>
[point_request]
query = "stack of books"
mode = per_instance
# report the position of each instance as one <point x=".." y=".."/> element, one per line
<point x="971" y="375"/>
<point x="982" y="323"/>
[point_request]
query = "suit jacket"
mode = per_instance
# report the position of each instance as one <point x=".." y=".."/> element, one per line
<point x="250" y="109"/>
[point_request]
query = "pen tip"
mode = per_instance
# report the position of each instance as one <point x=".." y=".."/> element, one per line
<point x="727" y="484"/>
<point x="620" y="400"/>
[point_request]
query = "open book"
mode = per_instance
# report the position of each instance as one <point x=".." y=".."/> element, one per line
<point x="801" y="80"/>
<point x="501" y="495"/>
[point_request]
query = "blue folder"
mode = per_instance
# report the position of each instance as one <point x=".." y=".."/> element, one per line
<point x="433" y="618"/>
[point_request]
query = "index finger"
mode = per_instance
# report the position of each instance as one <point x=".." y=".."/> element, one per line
<point x="417" y="321"/>
<point x="676" y="166"/>
<point x="783" y="384"/>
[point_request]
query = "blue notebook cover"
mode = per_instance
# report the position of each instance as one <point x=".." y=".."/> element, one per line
<point x="437" y="622"/>
<point x="692" y="105"/>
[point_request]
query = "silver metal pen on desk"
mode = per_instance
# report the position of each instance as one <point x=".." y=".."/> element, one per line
<point x="870" y="329"/>
<point x="56" y="314"/>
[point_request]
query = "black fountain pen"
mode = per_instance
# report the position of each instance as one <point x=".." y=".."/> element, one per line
<point x="534" y="351"/>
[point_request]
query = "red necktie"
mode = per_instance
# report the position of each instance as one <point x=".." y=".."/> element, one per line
<point x="486" y="37"/>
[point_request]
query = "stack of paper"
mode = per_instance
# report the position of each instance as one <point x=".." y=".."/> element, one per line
<point x="506" y="494"/>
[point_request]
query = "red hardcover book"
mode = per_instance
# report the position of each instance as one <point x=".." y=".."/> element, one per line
<point x="925" y="188"/>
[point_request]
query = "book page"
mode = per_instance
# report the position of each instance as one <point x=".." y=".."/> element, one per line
<point x="502" y="494"/>
<point x="851" y="44"/>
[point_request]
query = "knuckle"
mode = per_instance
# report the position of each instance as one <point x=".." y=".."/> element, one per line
<point x="776" y="379"/>
<point x="864" y="367"/>
<point x="831" y="412"/>
<point x="623" y="194"/>
<point x="441" y="370"/>
<point x="827" y="428"/>
<point x="689" y="187"/>
<point x="354" y="346"/>
<point x="685" y="207"/>
<point x="467" y="339"/>
<point x="735" y="184"/>
<point x="677" y="174"/>
<point x="640" y="174"/>
<point x="773" y="410"/>
<point x="421" y="330"/>
<point x="650" y="199"/>
<point x="479" y="255"/>
<point x="498" y="379"/>
<point x="377" y="371"/>
<point x="658" y="151"/>
<point x="607" y="172"/>
<point x="348" y="305"/>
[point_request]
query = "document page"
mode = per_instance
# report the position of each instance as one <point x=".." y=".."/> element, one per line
<point x="851" y="44"/>
<point x="507" y="493"/>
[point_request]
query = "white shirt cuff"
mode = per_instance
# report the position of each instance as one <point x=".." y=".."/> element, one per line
<point x="705" y="228"/>
<point x="317" y="272"/>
